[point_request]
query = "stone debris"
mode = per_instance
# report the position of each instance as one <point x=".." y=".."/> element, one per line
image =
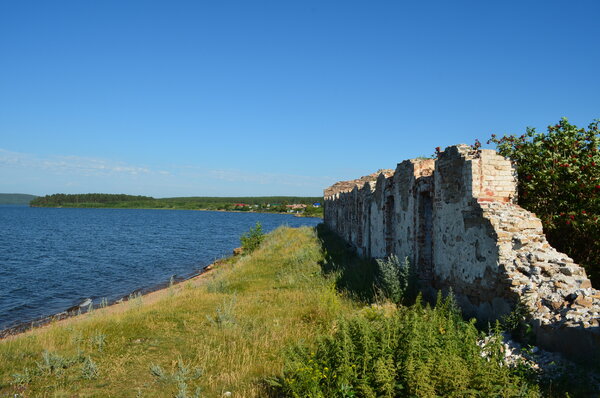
<point x="555" y="290"/>
<point x="547" y="365"/>
<point x="347" y="186"/>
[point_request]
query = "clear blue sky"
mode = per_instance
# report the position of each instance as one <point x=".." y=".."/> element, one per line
<point x="181" y="98"/>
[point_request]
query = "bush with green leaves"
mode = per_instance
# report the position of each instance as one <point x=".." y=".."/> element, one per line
<point x="396" y="280"/>
<point x="403" y="352"/>
<point x="559" y="180"/>
<point x="252" y="239"/>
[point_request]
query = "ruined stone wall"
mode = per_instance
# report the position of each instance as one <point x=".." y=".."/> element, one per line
<point x="456" y="220"/>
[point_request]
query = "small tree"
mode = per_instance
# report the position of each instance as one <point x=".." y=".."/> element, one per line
<point x="559" y="180"/>
<point x="396" y="280"/>
<point x="252" y="239"/>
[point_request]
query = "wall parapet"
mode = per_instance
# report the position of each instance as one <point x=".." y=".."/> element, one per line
<point x="456" y="219"/>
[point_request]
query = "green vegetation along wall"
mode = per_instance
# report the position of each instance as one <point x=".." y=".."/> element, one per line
<point x="457" y="220"/>
<point x="559" y="180"/>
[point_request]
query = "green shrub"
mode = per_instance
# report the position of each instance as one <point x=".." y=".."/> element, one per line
<point x="392" y="278"/>
<point x="397" y="281"/>
<point x="252" y="239"/>
<point x="559" y="180"/>
<point x="416" y="351"/>
<point x="518" y="324"/>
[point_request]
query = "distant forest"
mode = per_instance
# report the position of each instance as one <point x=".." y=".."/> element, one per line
<point x="15" y="198"/>
<point x="279" y="204"/>
<point x="100" y="199"/>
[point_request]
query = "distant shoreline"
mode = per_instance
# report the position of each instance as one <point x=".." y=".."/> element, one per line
<point x="309" y="205"/>
<point x="164" y="208"/>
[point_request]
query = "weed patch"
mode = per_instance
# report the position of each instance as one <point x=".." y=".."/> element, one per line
<point x="300" y="289"/>
<point x="404" y="352"/>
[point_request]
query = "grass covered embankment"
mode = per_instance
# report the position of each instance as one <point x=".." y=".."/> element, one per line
<point x="290" y="319"/>
<point x="225" y="333"/>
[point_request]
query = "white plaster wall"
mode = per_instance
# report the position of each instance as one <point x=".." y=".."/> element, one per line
<point x="465" y="245"/>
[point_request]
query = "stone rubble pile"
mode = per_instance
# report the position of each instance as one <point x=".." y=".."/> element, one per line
<point x="547" y="365"/>
<point x="555" y="290"/>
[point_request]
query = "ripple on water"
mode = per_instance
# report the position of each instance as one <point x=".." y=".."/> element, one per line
<point x="53" y="259"/>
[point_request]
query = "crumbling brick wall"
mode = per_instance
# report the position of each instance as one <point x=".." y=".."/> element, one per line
<point x="456" y="220"/>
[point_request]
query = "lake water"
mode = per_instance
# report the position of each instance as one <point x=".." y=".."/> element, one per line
<point x="54" y="259"/>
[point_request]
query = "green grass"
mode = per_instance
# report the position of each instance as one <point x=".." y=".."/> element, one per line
<point x="416" y="351"/>
<point x="231" y="329"/>
<point x="253" y="324"/>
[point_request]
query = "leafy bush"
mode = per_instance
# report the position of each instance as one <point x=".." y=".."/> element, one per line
<point x="391" y="278"/>
<point x="396" y="280"/>
<point x="518" y="324"/>
<point x="417" y="351"/>
<point x="252" y="239"/>
<point x="559" y="180"/>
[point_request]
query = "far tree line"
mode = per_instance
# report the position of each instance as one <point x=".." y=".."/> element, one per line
<point x="308" y="206"/>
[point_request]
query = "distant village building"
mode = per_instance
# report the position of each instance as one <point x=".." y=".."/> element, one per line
<point x="296" y="206"/>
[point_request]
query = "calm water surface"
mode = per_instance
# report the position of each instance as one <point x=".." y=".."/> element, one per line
<point x="53" y="259"/>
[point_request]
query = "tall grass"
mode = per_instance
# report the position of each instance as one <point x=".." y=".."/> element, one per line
<point x="294" y="318"/>
<point x="415" y="351"/>
<point x="355" y="276"/>
<point x="234" y="326"/>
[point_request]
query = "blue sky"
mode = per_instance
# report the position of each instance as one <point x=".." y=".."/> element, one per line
<point x="225" y="98"/>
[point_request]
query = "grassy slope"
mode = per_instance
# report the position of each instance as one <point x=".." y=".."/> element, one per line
<point x="233" y="326"/>
<point x="236" y="324"/>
